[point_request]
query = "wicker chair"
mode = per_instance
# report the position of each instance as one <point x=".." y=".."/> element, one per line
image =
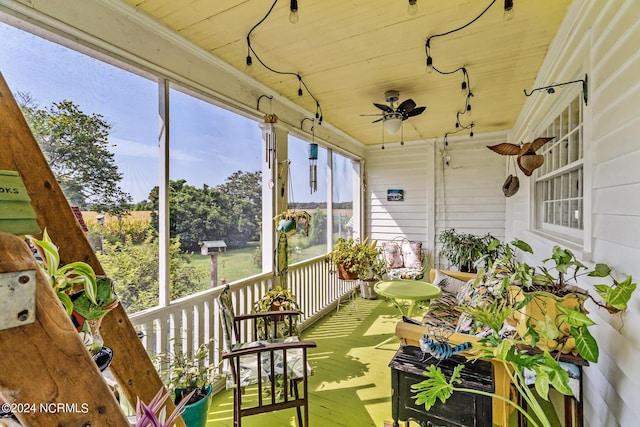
<point x="260" y="361"/>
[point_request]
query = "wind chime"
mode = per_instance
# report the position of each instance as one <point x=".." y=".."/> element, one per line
<point x="313" y="162"/>
<point x="270" y="139"/>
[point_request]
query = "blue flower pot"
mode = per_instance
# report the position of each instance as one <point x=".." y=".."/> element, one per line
<point x="195" y="414"/>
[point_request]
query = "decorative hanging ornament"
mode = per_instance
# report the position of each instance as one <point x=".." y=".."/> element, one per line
<point x="511" y="186"/>
<point x="270" y="139"/>
<point x="313" y="162"/>
<point x="527" y="159"/>
<point x="313" y="167"/>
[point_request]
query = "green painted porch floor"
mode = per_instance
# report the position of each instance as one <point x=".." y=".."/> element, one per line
<point x="351" y="385"/>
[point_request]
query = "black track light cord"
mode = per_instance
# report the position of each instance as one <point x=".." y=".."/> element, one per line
<point x="301" y="81"/>
<point x="462" y="27"/>
<point x="465" y="72"/>
<point x="460" y="129"/>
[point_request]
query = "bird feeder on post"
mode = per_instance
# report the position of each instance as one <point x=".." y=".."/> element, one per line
<point x="213" y="248"/>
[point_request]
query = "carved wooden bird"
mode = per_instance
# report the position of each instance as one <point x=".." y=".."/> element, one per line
<point x="528" y="160"/>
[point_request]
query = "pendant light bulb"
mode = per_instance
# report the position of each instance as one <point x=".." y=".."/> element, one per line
<point x="429" y="64"/>
<point x="412" y="9"/>
<point x="293" y="16"/>
<point x="508" y="10"/>
<point x="468" y="107"/>
<point x="465" y="77"/>
<point x="249" y="63"/>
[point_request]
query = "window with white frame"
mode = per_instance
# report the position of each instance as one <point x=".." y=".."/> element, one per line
<point x="559" y="191"/>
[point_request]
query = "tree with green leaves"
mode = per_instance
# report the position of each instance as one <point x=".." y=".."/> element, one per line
<point x="76" y="146"/>
<point x="229" y="212"/>
<point x="134" y="269"/>
<point x="318" y="229"/>
<point x="245" y="190"/>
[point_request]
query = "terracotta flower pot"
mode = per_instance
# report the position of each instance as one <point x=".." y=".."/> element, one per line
<point x="344" y="274"/>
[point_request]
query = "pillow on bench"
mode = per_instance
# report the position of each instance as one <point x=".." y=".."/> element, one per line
<point x="445" y="311"/>
<point x="403" y="259"/>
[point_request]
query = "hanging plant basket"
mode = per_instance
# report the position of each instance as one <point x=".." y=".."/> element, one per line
<point x="287" y="222"/>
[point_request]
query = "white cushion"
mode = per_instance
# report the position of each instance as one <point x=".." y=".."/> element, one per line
<point x="448" y="283"/>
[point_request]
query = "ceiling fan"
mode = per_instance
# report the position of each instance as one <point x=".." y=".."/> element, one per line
<point x="392" y="116"/>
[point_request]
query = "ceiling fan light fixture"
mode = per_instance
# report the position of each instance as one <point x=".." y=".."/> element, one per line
<point x="392" y="123"/>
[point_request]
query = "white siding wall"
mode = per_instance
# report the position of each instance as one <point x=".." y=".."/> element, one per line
<point x="407" y="168"/>
<point x="466" y="195"/>
<point x="468" y="191"/>
<point x="601" y="38"/>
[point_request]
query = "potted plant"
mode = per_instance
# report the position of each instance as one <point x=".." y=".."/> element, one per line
<point x="287" y="222"/>
<point x="514" y="358"/>
<point x="277" y="299"/>
<point x="464" y="250"/>
<point x="558" y="327"/>
<point x="548" y="304"/>
<point x="153" y="415"/>
<point x="353" y="259"/>
<point x="85" y="297"/>
<point x="189" y="378"/>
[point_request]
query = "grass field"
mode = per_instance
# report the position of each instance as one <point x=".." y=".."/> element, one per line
<point x="238" y="263"/>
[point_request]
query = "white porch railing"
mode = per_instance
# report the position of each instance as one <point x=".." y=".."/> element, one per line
<point x="191" y="321"/>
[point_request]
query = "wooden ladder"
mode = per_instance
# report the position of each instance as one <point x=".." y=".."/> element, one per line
<point x="44" y="364"/>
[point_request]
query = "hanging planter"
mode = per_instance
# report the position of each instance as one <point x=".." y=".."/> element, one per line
<point x="288" y="221"/>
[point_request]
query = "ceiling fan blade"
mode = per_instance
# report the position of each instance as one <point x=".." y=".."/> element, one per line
<point x="381" y="118"/>
<point x="384" y="108"/>
<point x="415" y="112"/>
<point x="406" y="106"/>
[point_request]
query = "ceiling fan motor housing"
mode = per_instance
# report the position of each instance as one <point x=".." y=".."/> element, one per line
<point x="392" y="96"/>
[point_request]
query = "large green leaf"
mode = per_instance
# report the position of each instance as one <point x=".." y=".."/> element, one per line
<point x="617" y="296"/>
<point x="435" y="386"/>
<point x="586" y="344"/>
<point x="66" y="302"/>
<point x="556" y="375"/>
<point x="547" y="328"/>
<point x="601" y="270"/>
<point x="563" y="259"/>
<point x="493" y="245"/>
<point x="573" y="317"/>
<point x="50" y="252"/>
<point x="542" y="384"/>
<point x="522" y="245"/>
<point x="80" y="273"/>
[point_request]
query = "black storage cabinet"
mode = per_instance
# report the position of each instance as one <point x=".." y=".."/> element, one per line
<point x="461" y="409"/>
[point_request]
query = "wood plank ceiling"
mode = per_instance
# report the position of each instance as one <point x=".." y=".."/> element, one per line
<point x="350" y="52"/>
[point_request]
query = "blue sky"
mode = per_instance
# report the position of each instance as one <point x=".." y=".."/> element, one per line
<point x="208" y="143"/>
